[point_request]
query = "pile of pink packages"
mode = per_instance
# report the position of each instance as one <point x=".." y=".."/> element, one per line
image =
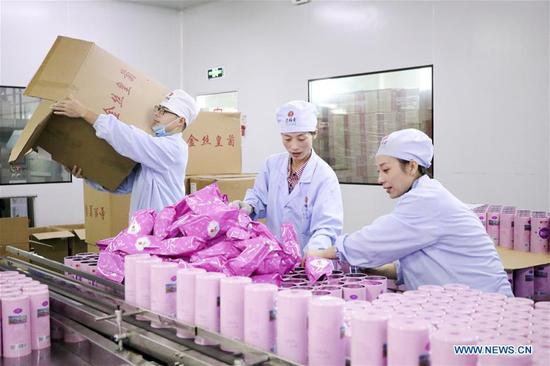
<point x="203" y="231"/>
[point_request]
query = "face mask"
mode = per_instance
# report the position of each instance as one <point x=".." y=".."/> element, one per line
<point x="160" y="129"/>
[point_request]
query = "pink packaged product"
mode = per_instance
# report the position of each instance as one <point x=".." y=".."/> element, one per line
<point x="522" y="230"/>
<point x="493" y="222"/>
<point x="103" y="243"/>
<point x="259" y="315"/>
<point x="408" y="341"/>
<point x="211" y="264"/>
<point x="39" y="301"/>
<point x="271" y="278"/>
<point x="318" y="268"/>
<point x="326" y="344"/>
<point x="481" y="212"/>
<point x="185" y="303"/>
<point x="142" y="222"/>
<point x="163" y="281"/>
<point x="16" y="326"/>
<point x="524" y="284"/>
<point x="130" y="283"/>
<point x="207" y="303"/>
<point x="247" y="262"/>
<point x="369" y="337"/>
<point x="225" y="249"/>
<point x="542" y="282"/>
<point x="506" y="233"/>
<point x="164" y="220"/>
<point x="232" y="306"/>
<point x="539" y="232"/>
<point x="292" y="313"/>
<point x="179" y="247"/>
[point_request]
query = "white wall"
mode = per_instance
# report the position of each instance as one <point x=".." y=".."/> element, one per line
<point x="148" y="38"/>
<point x="491" y="73"/>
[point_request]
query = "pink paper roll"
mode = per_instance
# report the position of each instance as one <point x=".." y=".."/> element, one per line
<point x="334" y="279"/>
<point x="292" y="309"/>
<point x="326" y="344"/>
<point x="430" y="288"/>
<point x="354" y="291"/>
<point x="207" y="303"/>
<point x="163" y="290"/>
<point x="524" y="284"/>
<point x="232" y="306"/>
<point x="374" y="289"/>
<point x="539" y="232"/>
<point x="259" y="315"/>
<point x="455" y="287"/>
<point x="39" y="316"/>
<point x="382" y="279"/>
<point x="143" y="278"/>
<point x="522" y="230"/>
<point x="369" y="337"/>
<point x="519" y="301"/>
<point x="493" y="222"/>
<point x="130" y="276"/>
<point x="542" y="282"/>
<point x="442" y="345"/>
<point x="542" y="305"/>
<point x="16" y="327"/>
<point x="505" y="359"/>
<point x="408" y="341"/>
<point x="333" y="290"/>
<point x="506" y="233"/>
<point x="185" y="302"/>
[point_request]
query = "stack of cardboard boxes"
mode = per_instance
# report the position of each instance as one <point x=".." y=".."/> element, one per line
<point x="108" y="85"/>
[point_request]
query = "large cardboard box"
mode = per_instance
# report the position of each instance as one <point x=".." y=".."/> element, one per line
<point x="104" y="84"/>
<point x="50" y="242"/>
<point x="14" y="232"/>
<point x="234" y="185"/>
<point x="105" y="214"/>
<point x="214" y="141"/>
<point x="77" y="244"/>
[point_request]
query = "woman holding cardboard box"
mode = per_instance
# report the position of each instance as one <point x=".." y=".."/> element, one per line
<point x="436" y="238"/>
<point x="157" y="180"/>
<point x="297" y="186"/>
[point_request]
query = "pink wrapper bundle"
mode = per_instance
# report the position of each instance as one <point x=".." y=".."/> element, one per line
<point x="142" y="222"/>
<point x="249" y="260"/>
<point x="273" y="278"/>
<point x="111" y="266"/>
<point x="317" y="267"/>
<point x="182" y="246"/>
<point x="224" y="249"/>
<point x="165" y="218"/>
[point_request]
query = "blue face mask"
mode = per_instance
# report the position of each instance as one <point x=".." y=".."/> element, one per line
<point x="160" y="130"/>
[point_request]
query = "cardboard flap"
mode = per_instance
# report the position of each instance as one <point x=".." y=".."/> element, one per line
<point x="513" y="259"/>
<point x="55" y="75"/>
<point x="80" y="233"/>
<point x="52" y="235"/>
<point x="31" y="132"/>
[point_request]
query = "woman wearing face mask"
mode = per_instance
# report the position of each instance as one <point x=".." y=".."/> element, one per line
<point x="297" y="186"/>
<point x="436" y="238"/>
<point x="157" y="180"/>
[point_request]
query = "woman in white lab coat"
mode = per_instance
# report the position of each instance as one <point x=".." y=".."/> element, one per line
<point x="434" y="236"/>
<point x="297" y="186"/>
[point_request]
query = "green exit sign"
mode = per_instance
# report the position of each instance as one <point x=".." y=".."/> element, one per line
<point x="216" y="72"/>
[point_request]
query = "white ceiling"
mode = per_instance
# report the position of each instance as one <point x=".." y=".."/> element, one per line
<point x="171" y="4"/>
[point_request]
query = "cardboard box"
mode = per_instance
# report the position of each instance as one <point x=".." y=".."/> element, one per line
<point x="214" y="141"/>
<point x="77" y="244"/>
<point x="514" y="259"/>
<point x="50" y="242"/>
<point x="104" y="84"/>
<point x="14" y="230"/>
<point x="234" y="186"/>
<point x="105" y="214"/>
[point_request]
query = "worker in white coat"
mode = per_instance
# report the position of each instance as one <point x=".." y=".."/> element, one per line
<point x="157" y="180"/>
<point x="435" y="237"/>
<point x="297" y="186"/>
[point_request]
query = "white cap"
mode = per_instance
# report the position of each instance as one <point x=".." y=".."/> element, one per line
<point x="182" y="104"/>
<point x="408" y="144"/>
<point x="297" y="116"/>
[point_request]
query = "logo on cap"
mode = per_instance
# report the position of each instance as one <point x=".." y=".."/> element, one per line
<point x="384" y="140"/>
<point x="290" y="119"/>
<point x="290" y="113"/>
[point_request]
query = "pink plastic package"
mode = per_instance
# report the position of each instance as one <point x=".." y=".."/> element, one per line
<point x="273" y="278"/>
<point x="317" y="267"/>
<point x="183" y="246"/>
<point x="237" y="233"/>
<point x="164" y="219"/>
<point x="290" y="244"/>
<point x="201" y="202"/>
<point x="275" y="262"/>
<point x="210" y="264"/>
<point x="249" y="260"/>
<point x="111" y="266"/>
<point x="132" y="244"/>
<point x="142" y="222"/>
<point x="224" y="249"/>
<point x="103" y="243"/>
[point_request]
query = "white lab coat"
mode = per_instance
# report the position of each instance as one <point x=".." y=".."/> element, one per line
<point x="157" y="180"/>
<point x="435" y="237"/>
<point x="314" y="206"/>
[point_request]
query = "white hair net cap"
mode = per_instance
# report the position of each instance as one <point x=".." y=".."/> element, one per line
<point x="182" y="104"/>
<point x="297" y="116"/>
<point x="408" y="144"/>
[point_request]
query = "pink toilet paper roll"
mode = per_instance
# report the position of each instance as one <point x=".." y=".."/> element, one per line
<point x="259" y="315"/>
<point x="232" y="306"/>
<point x="522" y="230"/>
<point x="369" y="337"/>
<point x="431" y="288"/>
<point x="506" y="231"/>
<point x="539" y="232"/>
<point x="352" y="291"/>
<point x="442" y="344"/>
<point x="163" y="290"/>
<point x="542" y="282"/>
<point x="130" y="276"/>
<point x="519" y="301"/>
<point x="542" y="305"/>
<point x="143" y="278"/>
<point x="291" y="324"/>
<point x="207" y="303"/>
<point x="333" y="290"/>
<point x="185" y="303"/>
<point x="16" y="327"/>
<point x="373" y="289"/>
<point x="455" y="287"/>
<point x="524" y="283"/>
<point x="408" y="341"/>
<point x="382" y="279"/>
<point x="493" y="222"/>
<point x="325" y="332"/>
<point x="39" y="301"/>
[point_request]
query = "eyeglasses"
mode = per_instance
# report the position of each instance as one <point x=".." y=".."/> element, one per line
<point x="161" y="110"/>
